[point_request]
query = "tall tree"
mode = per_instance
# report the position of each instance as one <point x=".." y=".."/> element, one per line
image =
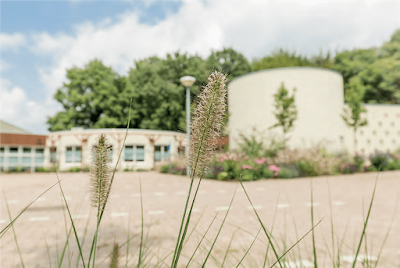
<point x="158" y="96"/>
<point x="229" y="62"/>
<point x="285" y="109"/>
<point x="352" y="114"/>
<point x="280" y="58"/>
<point x="89" y="99"/>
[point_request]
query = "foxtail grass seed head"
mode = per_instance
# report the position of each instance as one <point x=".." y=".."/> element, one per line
<point x="207" y="123"/>
<point x="100" y="172"/>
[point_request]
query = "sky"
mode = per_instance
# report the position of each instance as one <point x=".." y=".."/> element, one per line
<point x="40" y="40"/>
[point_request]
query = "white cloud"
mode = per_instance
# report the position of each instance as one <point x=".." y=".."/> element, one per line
<point x="16" y="109"/>
<point x="4" y="65"/>
<point x="11" y="41"/>
<point x="254" y="28"/>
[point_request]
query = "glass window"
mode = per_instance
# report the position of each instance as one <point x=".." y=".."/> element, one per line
<point x="14" y="150"/>
<point x="139" y="153"/>
<point x="27" y="150"/>
<point x="39" y="160"/>
<point x="157" y="153"/>
<point x="1" y="159"/>
<point x="68" y="155"/>
<point x="128" y="153"/>
<point x="1" y="149"/>
<point x="39" y="151"/>
<point x="166" y="152"/>
<point x="110" y="153"/>
<point x="78" y="155"/>
<point x="26" y="160"/>
<point x="53" y="155"/>
<point x="13" y="160"/>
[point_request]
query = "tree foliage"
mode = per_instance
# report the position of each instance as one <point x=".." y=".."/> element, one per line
<point x="352" y="114"/>
<point x="285" y="109"/>
<point x="228" y="61"/>
<point x="89" y="99"/>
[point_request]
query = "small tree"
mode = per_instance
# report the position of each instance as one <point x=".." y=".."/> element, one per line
<point x="352" y="113"/>
<point x="285" y="109"/>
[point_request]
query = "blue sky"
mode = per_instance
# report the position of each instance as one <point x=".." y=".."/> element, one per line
<point x="41" y="39"/>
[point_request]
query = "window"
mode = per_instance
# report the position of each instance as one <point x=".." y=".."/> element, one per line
<point x="134" y="153"/>
<point x="14" y="150"/>
<point x="181" y="151"/>
<point x="161" y="153"/>
<point x="53" y="155"/>
<point x="26" y="150"/>
<point x="12" y="160"/>
<point x="39" y="151"/>
<point x="39" y="160"/>
<point x="73" y="154"/>
<point x="157" y="153"/>
<point x="26" y="160"/>
<point x="1" y="159"/>
<point x="128" y="153"/>
<point x="1" y="149"/>
<point x="139" y="153"/>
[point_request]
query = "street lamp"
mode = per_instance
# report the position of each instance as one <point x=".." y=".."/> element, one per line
<point x="187" y="81"/>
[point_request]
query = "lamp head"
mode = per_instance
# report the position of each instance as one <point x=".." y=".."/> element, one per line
<point x="187" y="81"/>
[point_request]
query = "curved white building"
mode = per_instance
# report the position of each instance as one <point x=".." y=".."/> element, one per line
<point x="319" y="100"/>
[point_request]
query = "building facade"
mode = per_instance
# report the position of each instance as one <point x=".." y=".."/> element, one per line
<point x="68" y="149"/>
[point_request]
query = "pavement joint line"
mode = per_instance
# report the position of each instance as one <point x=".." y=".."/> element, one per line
<point x="156" y="212"/>
<point x="80" y="216"/>
<point x="119" y="214"/>
<point x="159" y="193"/>
<point x="39" y="218"/>
<point x="282" y="205"/>
<point x="223" y="208"/>
<point x="338" y="203"/>
<point x="255" y="206"/>
<point x="314" y="204"/>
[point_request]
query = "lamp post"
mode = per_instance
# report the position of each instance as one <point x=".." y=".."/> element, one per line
<point x="187" y="81"/>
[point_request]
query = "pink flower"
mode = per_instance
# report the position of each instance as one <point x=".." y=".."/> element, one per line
<point x="246" y="167"/>
<point x="274" y="168"/>
<point x="262" y="160"/>
<point x="224" y="157"/>
<point x="245" y="158"/>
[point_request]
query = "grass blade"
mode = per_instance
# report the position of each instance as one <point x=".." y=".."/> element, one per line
<point x="365" y="224"/>
<point x="262" y="224"/>
<point x="229" y="247"/>
<point x="15" y="236"/>
<point x="252" y="243"/>
<point x="5" y="229"/>
<point x="313" y="233"/>
<point x="47" y="248"/>
<point x="141" y="236"/>
<point x="220" y="228"/>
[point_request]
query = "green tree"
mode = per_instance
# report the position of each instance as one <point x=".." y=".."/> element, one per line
<point x="157" y="94"/>
<point x="280" y="58"/>
<point x="352" y="114"/>
<point x="89" y="99"/>
<point x="228" y="61"/>
<point x="285" y="109"/>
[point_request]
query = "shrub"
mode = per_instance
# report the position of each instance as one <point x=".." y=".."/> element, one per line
<point x="359" y="162"/>
<point x="286" y="173"/>
<point x="74" y="169"/>
<point x="380" y="161"/>
<point x="42" y="169"/>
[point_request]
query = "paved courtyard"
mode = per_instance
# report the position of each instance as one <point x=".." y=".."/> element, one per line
<point x="163" y="201"/>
